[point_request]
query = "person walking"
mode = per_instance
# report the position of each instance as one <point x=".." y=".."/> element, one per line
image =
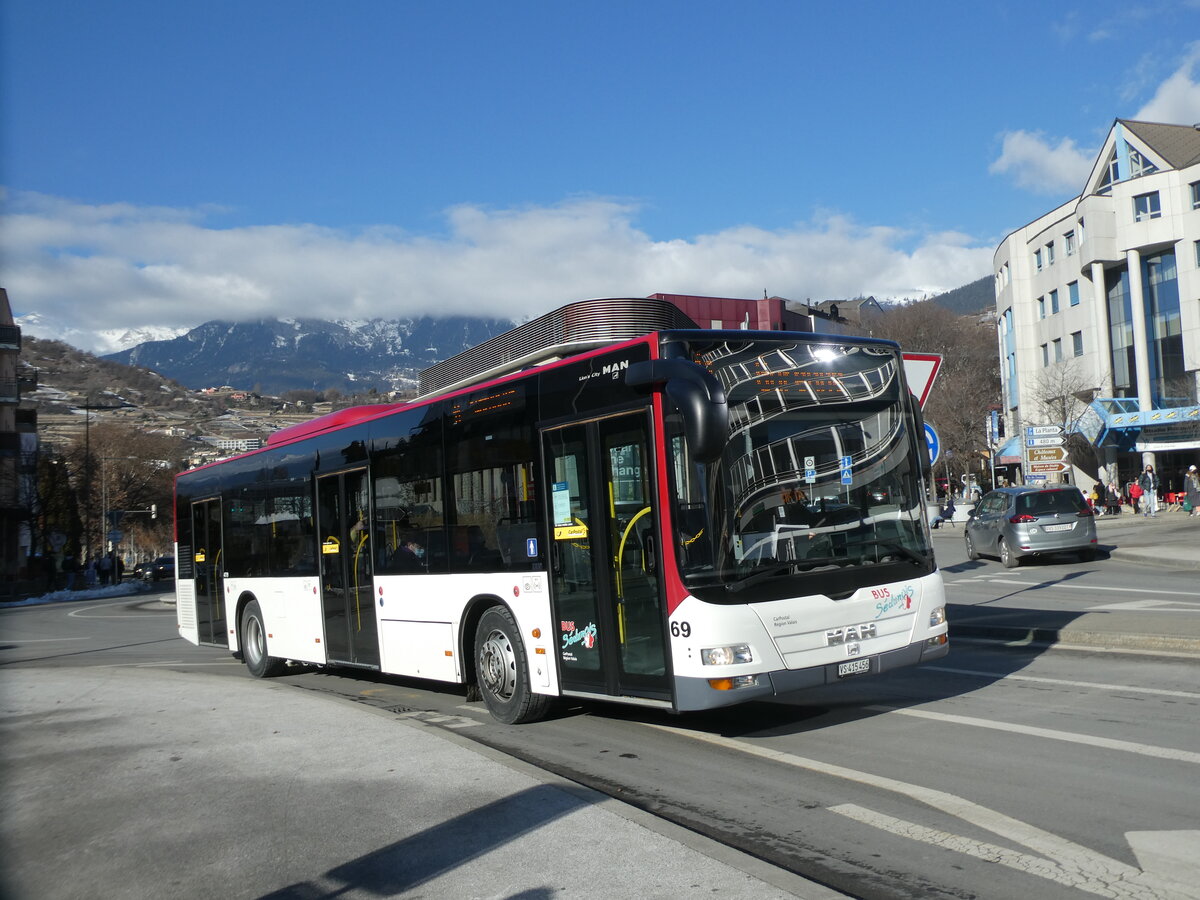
<point x="1191" y="482"/>
<point x="1149" y="485"/>
<point x="1135" y="495"/>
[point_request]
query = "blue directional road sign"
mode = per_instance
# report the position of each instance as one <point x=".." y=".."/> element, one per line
<point x="935" y="444"/>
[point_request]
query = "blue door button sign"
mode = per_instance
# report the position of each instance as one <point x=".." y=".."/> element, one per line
<point x="531" y="547"/>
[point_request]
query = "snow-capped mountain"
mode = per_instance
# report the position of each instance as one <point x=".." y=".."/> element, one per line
<point x="276" y="355"/>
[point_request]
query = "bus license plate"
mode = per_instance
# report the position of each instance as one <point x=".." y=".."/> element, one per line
<point x="854" y="667"/>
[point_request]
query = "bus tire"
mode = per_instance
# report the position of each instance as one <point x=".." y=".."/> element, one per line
<point x="503" y="672"/>
<point x="258" y="661"/>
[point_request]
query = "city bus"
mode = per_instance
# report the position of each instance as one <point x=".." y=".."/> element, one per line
<point x="606" y="503"/>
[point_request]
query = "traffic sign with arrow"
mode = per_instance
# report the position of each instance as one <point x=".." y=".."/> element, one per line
<point x="1047" y="454"/>
<point x="1048" y="467"/>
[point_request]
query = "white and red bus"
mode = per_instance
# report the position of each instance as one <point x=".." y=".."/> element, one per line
<point x="603" y="503"/>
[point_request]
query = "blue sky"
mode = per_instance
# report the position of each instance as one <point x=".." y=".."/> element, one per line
<point x="168" y="163"/>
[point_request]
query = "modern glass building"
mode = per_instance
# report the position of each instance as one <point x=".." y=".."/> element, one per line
<point x="1098" y="312"/>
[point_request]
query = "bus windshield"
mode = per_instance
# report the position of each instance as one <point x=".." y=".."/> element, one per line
<point x="818" y="489"/>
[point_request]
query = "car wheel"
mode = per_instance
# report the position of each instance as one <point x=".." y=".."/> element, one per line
<point x="503" y="671"/>
<point x="972" y="553"/>
<point x="258" y="661"/>
<point x="1010" y="559"/>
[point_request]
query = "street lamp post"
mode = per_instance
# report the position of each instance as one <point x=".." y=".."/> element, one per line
<point x="104" y="511"/>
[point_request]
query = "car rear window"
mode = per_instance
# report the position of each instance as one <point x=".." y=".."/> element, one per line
<point x="1045" y="503"/>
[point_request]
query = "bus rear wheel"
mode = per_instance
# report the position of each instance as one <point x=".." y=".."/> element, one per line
<point x="254" y="644"/>
<point x="503" y="671"/>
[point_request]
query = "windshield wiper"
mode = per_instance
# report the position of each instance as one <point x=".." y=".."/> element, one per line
<point x="901" y="550"/>
<point x="751" y="580"/>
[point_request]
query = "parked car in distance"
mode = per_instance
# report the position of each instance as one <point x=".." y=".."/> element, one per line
<point x="1014" y="522"/>
<point x="161" y="568"/>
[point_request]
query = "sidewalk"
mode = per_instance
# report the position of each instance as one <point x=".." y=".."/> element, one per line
<point x="201" y="786"/>
<point x="1169" y="542"/>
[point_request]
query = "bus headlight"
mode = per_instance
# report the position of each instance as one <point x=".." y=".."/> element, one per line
<point x="937" y="617"/>
<point x="726" y="656"/>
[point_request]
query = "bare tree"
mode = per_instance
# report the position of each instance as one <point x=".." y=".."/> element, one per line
<point x="968" y="385"/>
<point x="1062" y="395"/>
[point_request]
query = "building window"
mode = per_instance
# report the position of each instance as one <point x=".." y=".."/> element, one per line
<point x="1050" y="253"/>
<point x="1195" y="186"/>
<point x="1058" y="350"/>
<point x="1073" y="293"/>
<point x="1045" y="355"/>
<point x="1069" y="243"/>
<point x="1041" y="307"/>
<point x="1077" y="343"/>
<point x="1145" y="206"/>
<point x="1053" y="302"/>
<point x="1037" y="260"/>
<point x="1197" y="245"/>
<point x="1139" y="165"/>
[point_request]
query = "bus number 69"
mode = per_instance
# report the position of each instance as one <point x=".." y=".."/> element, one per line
<point x="681" y="629"/>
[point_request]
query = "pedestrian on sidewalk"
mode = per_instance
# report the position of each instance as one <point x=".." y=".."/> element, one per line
<point x="1191" y="482"/>
<point x="1113" y="498"/>
<point x="1135" y="495"/>
<point x="945" y="514"/>
<point x="1149" y="485"/>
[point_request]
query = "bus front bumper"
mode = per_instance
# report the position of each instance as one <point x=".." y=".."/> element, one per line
<point x="693" y="694"/>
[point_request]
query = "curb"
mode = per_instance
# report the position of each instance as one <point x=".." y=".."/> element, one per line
<point x="1071" y="637"/>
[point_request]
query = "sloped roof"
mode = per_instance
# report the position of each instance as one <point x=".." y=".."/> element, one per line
<point x="1179" y="145"/>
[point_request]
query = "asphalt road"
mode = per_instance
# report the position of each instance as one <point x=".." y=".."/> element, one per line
<point x="1003" y="770"/>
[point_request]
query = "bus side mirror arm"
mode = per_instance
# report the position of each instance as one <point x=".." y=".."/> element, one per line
<point x="698" y="396"/>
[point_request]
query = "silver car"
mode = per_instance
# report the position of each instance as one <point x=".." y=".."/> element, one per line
<point x="1015" y="522"/>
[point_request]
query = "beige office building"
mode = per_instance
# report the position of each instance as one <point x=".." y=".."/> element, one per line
<point x="1098" y="317"/>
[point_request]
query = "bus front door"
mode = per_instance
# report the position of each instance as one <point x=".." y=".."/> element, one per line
<point x="606" y="588"/>
<point x="347" y="599"/>
<point x="208" y="573"/>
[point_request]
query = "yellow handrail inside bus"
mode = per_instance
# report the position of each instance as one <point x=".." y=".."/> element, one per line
<point x="617" y="569"/>
<point x="362" y="539"/>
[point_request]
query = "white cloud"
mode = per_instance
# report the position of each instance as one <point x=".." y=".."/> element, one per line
<point x="84" y="270"/>
<point x="1177" y="100"/>
<point x="1043" y="168"/>
<point x="1038" y="164"/>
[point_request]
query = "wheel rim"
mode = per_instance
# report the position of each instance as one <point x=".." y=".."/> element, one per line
<point x="255" y="647"/>
<point x="1004" y="551"/>
<point x="970" y="546"/>
<point x="498" y="665"/>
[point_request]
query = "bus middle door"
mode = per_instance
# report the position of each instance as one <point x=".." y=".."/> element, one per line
<point x="209" y="579"/>
<point x="606" y="590"/>
<point x="347" y="596"/>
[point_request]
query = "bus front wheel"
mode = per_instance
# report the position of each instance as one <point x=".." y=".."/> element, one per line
<point x="254" y="644"/>
<point x="503" y="671"/>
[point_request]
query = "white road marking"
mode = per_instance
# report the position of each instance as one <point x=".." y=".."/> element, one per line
<point x="1148" y="606"/>
<point x="1170" y="753"/>
<point x="1094" y="874"/>
<point x="83" y="612"/>
<point x="1124" y="688"/>
<point x="1007" y="827"/>
<point x="1087" y="869"/>
<point x="993" y="579"/>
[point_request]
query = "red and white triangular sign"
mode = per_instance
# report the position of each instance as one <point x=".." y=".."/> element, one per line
<point x="921" y="369"/>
